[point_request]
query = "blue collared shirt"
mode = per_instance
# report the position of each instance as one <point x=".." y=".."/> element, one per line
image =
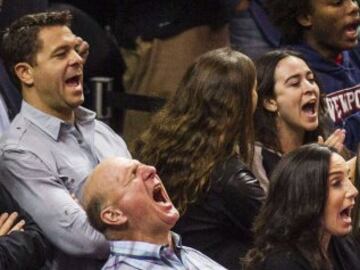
<point x="130" y="255"/>
<point x="42" y="161"/>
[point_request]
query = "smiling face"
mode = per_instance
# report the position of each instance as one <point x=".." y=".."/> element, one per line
<point x="341" y="198"/>
<point x="57" y="74"/>
<point x="296" y="98"/>
<point x="332" y="26"/>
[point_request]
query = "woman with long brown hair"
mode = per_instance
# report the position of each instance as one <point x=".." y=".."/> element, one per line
<point x="201" y="142"/>
<point x="305" y="222"/>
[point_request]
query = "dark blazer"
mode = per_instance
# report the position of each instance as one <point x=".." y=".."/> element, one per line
<point x="26" y="249"/>
<point x="10" y="94"/>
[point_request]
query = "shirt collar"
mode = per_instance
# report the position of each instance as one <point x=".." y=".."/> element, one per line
<point x="144" y="249"/>
<point x="51" y="124"/>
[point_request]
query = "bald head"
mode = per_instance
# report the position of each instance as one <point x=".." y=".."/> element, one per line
<point x="125" y="199"/>
<point x="100" y="189"/>
<point x="102" y="179"/>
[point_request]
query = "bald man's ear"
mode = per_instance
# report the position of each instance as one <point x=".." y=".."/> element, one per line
<point x="24" y="71"/>
<point x="113" y="216"/>
<point x="270" y="104"/>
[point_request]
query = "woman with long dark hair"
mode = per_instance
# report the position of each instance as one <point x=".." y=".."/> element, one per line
<point x="290" y="111"/>
<point x="306" y="215"/>
<point x="201" y="143"/>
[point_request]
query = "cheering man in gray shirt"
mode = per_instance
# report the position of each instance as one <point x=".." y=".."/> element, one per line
<point x="53" y="143"/>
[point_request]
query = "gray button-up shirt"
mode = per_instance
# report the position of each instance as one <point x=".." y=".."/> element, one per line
<point x="42" y="161"/>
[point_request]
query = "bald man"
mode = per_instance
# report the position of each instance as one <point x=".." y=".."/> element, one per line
<point x="127" y="202"/>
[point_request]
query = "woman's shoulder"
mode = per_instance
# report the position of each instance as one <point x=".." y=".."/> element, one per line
<point x="345" y="252"/>
<point x="284" y="260"/>
<point x="234" y="180"/>
<point x="233" y="170"/>
<point x="224" y="170"/>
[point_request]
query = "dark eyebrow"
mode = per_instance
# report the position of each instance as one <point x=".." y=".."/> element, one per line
<point x="295" y="76"/>
<point x="309" y="72"/>
<point x="340" y="172"/>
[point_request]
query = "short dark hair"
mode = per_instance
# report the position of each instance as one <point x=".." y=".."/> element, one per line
<point x="93" y="211"/>
<point x="20" y="41"/>
<point x="292" y="214"/>
<point x="284" y="14"/>
<point x="265" y="121"/>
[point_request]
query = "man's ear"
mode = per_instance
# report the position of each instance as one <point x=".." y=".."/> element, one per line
<point x="25" y="73"/>
<point x="113" y="216"/>
<point x="305" y="20"/>
<point x="270" y="104"/>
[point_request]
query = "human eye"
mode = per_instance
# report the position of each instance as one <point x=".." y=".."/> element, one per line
<point x="133" y="173"/>
<point x="294" y="82"/>
<point x="336" y="2"/>
<point x="60" y="54"/>
<point x="336" y="182"/>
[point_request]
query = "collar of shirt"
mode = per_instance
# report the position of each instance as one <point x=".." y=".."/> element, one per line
<point x="51" y="124"/>
<point x="144" y="249"/>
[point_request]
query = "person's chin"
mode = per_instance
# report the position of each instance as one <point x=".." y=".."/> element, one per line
<point x="170" y="217"/>
<point x="311" y="126"/>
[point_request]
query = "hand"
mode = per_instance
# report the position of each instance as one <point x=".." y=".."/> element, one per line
<point x="336" y="139"/>
<point x="82" y="48"/>
<point x="7" y="225"/>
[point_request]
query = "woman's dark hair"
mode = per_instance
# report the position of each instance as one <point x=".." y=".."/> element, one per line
<point x="290" y="218"/>
<point x="265" y="121"/>
<point x="355" y="213"/>
<point x="208" y="118"/>
<point x="284" y="14"/>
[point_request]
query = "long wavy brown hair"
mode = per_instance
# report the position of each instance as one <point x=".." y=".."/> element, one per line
<point x="208" y="120"/>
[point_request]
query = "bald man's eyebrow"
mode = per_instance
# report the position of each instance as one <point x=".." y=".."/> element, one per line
<point x="131" y="173"/>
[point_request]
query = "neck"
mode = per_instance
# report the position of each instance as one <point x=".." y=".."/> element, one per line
<point x="289" y="139"/>
<point x="328" y="53"/>
<point x="67" y="115"/>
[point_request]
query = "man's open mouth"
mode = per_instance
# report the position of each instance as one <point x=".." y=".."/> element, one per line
<point x="158" y="194"/>
<point x="73" y="81"/>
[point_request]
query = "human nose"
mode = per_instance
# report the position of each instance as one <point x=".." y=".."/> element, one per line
<point x="76" y="58"/>
<point x="147" y="172"/>
<point x="352" y="191"/>
<point x="310" y="87"/>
